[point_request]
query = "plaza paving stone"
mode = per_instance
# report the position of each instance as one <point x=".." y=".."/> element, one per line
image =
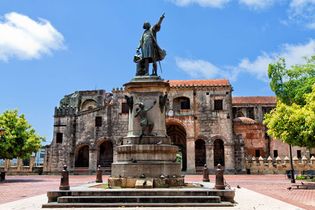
<point x="275" y="186"/>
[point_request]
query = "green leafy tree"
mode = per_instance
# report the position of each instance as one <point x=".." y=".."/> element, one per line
<point x="309" y="132"/>
<point x="291" y="85"/>
<point x="19" y="139"/>
<point x="292" y="124"/>
<point x="293" y="119"/>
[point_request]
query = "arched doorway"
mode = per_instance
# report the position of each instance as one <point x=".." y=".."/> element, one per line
<point x="177" y="133"/>
<point x="218" y="147"/>
<point x="105" y="154"/>
<point x="82" y="157"/>
<point x="200" y="153"/>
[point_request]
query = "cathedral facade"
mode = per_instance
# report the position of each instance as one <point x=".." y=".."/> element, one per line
<point x="208" y="125"/>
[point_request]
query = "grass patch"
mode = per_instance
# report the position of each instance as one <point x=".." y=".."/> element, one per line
<point x="300" y="177"/>
<point x="305" y="178"/>
<point x="105" y="186"/>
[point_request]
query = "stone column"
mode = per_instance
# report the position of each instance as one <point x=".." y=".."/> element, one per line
<point x="19" y="164"/>
<point x="32" y="163"/>
<point x="71" y="161"/>
<point x="7" y="164"/>
<point x="114" y="152"/>
<point x="47" y="160"/>
<point x="190" y="151"/>
<point x="209" y="156"/>
<point x="92" y="160"/>
<point x="259" y="114"/>
<point x="229" y="156"/>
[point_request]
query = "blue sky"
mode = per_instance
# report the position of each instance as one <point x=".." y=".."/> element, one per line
<point x="52" y="48"/>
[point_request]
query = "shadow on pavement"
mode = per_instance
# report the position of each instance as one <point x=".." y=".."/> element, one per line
<point x="20" y="180"/>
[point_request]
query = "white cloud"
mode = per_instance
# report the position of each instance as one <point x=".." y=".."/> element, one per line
<point x="294" y="54"/>
<point x="196" y="68"/>
<point x="302" y="8"/>
<point x="301" y="3"/>
<point x="311" y="25"/>
<point x="204" y="69"/>
<point x="303" y="11"/>
<point x="202" y="3"/>
<point x="24" y="38"/>
<point x="257" y="4"/>
<point x="258" y="67"/>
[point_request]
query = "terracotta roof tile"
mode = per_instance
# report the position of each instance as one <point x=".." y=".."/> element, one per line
<point x="254" y="100"/>
<point x="245" y="120"/>
<point x="199" y="83"/>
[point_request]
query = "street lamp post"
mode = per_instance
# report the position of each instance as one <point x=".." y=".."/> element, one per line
<point x="291" y="162"/>
<point x="2" y="173"/>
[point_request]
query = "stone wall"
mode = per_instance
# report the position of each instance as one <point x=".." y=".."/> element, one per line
<point x="203" y="122"/>
<point x="278" y="166"/>
<point x="252" y="134"/>
<point x="20" y="169"/>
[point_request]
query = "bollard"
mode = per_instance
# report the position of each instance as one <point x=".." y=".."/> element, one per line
<point x="99" y="175"/>
<point x="219" y="179"/>
<point x="64" y="181"/>
<point x="205" y="174"/>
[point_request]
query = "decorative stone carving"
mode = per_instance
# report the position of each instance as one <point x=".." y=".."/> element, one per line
<point x="146" y="124"/>
<point x="162" y="102"/>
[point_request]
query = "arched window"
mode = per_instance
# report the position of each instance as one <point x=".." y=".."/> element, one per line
<point x="181" y="103"/>
<point x="88" y="105"/>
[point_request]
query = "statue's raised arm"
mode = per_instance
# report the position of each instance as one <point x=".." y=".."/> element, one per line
<point x="161" y="19"/>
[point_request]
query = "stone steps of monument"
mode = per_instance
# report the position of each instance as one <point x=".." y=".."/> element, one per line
<point x="226" y="195"/>
<point x="104" y="205"/>
<point x="139" y="199"/>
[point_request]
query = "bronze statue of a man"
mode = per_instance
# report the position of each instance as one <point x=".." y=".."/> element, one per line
<point x="150" y="50"/>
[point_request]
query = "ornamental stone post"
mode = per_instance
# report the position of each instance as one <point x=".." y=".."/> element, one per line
<point x="219" y="178"/>
<point x="99" y="173"/>
<point x="64" y="181"/>
<point x="205" y="174"/>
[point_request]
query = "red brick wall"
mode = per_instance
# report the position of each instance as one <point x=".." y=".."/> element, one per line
<point x="253" y="136"/>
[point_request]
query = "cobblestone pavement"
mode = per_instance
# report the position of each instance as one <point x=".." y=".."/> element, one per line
<point x="18" y="187"/>
<point x="275" y="186"/>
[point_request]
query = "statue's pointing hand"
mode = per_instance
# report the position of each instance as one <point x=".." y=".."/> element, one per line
<point x="163" y="15"/>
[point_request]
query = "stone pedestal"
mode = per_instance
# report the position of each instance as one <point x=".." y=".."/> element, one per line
<point x="146" y="90"/>
<point x="146" y="154"/>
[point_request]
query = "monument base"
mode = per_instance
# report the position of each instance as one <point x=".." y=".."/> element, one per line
<point x="143" y="169"/>
<point x="146" y="152"/>
<point x="143" y="183"/>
